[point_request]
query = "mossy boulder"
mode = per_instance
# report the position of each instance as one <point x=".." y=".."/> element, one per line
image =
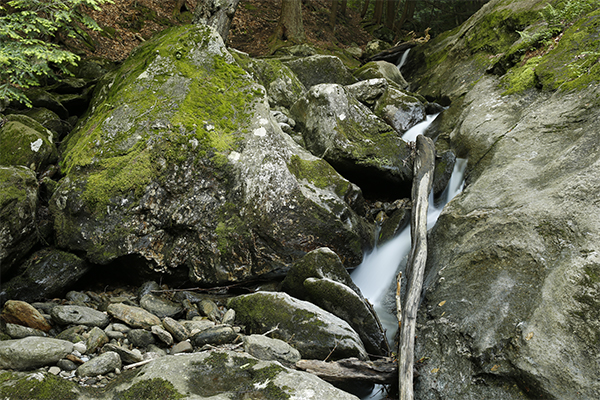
<point x="26" y="142"/>
<point x="318" y="69"/>
<point x="282" y="85"/>
<point x="358" y="144"/>
<point x="49" y="120"/>
<point x="18" y="203"/>
<point x="379" y="70"/>
<point x="36" y="385"/>
<point x="314" y="332"/>
<point x="179" y="163"/>
<point x="47" y="273"/>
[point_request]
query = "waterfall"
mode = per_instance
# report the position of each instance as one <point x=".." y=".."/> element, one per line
<point x="403" y="59"/>
<point x="375" y="276"/>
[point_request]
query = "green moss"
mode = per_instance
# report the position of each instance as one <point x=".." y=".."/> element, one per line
<point x="14" y="185"/>
<point x="521" y="78"/>
<point x="239" y="376"/>
<point x="153" y="389"/>
<point x="231" y="229"/>
<point x="26" y="387"/>
<point x="319" y="173"/>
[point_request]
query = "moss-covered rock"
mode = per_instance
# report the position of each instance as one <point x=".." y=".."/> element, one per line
<point x="25" y="142"/>
<point x="38" y="385"/>
<point x="400" y="110"/>
<point x="359" y="145"/>
<point x="381" y="69"/>
<point x="180" y="164"/>
<point x="318" y="69"/>
<point x="18" y="203"/>
<point x="314" y="332"/>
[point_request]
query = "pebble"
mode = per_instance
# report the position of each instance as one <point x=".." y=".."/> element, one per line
<point x="162" y="335"/>
<point x="140" y="338"/>
<point x="103" y="364"/>
<point x="182" y="347"/>
<point x="80" y="347"/>
<point x="229" y="317"/>
<point x="133" y="316"/>
<point x="96" y="340"/>
<point x="79" y="315"/>
<point x="66" y="365"/>
<point x="176" y="329"/>
<point x="54" y="370"/>
<point x="160" y="306"/>
<point x="120" y="327"/>
<point x="115" y="335"/>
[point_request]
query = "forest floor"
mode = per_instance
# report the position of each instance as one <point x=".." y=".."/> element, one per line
<point x="127" y="23"/>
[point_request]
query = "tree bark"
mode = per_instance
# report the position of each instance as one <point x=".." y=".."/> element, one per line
<point x="290" y="25"/>
<point x="343" y="7"/>
<point x="365" y="8"/>
<point x="422" y="182"/>
<point x="390" y="14"/>
<point x="217" y="14"/>
<point x="352" y="369"/>
<point x="378" y="14"/>
<point x="407" y="12"/>
<point x="333" y="13"/>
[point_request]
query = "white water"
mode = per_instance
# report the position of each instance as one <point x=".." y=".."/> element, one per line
<point x="375" y="276"/>
<point x="403" y="59"/>
<point x="411" y="134"/>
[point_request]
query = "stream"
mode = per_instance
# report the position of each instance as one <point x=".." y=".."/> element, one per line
<point x="376" y="275"/>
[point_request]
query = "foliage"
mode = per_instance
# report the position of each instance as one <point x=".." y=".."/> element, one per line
<point x="28" y="54"/>
<point x="566" y="12"/>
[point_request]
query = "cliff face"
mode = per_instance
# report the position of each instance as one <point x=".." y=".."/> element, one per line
<point x="511" y="305"/>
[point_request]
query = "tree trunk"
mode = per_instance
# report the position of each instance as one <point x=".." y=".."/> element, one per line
<point x="407" y="12"/>
<point x="351" y="370"/>
<point x="333" y="13"/>
<point x="217" y="14"/>
<point x="290" y="25"/>
<point x="378" y="14"/>
<point x="343" y="6"/>
<point x="390" y="14"/>
<point x="365" y="9"/>
<point x="415" y="267"/>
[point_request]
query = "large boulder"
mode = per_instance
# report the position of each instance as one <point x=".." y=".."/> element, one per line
<point x="318" y="69"/>
<point x="314" y="332"/>
<point x="381" y="69"/>
<point x="358" y="144"/>
<point x="400" y="110"/>
<point x="18" y="203"/>
<point x="511" y="306"/>
<point x="32" y="352"/>
<point x="180" y="164"/>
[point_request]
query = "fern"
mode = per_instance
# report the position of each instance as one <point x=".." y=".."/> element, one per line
<point x="27" y="53"/>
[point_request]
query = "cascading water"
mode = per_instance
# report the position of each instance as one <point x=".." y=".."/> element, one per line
<point x="403" y="59"/>
<point x="375" y="276"/>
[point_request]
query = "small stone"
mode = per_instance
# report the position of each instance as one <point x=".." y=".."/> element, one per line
<point x="209" y="309"/>
<point x="197" y="325"/>
<point x="79" y="315"/>
<point x="160" y="306"/>
<point x="120" y="327"/>
<point x="176" y="329"/>
<point x="54" y="370"/>
<point x="73" y="334"/>
<point x="103" y="364"/>
<point x="66" y="365"/>
<point x="115" y="335"/>
<point x="77" y="297"/>
<point x="133" y="316"/>
<point x="19" y="331"/>
<point x="127" y="356"/>
<point x="229" y="317"/>
<point x="80" y="347"/>
<point x="214" y="336"/>
<point x="96" y="340"/>
<point x="22" y="313"/>
<point x="74" y="359"/>
<point x="266" y="348"/>
<point x="140" y="338"/>
<point x="147" y="288"/>
<point x="163" y="335"/>
<point x="182" y="347"/>
<point x="66" y="374"/>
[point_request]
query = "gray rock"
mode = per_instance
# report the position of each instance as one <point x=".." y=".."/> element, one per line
<point x="77" y="297"/>
<point x="229" y="317"/>
<point x="160" y="306"/>
<point x="73" y="334"/>
<point x="133" y="316"/>
<point x="375" y="46"/>
<point x="176" y="329"/>
<point x="120" y="327"/>
<point x="66" y="365"/>
<point x="101" y="365"/>
<point x="266" y="348"/>
<point x="23" y="313"/>
<point x="32" y="352"/>
<point x="54" y="370"/>
<point x="47" y="273"/>
<point x="318" y="69"/>
<point x="444" y="165"/>
<point x="147" y="288"/>
<point x="368" y="91"/>
<point x="381" y="69"/>
<point x="162" y="335"/>
<point x="182" y="347"/>
<point x="209" y="309"/>
<point x="358" y="144"/>
<point x="220" y="374"/>
<point x="79" y="315"/>
<point x="19" y="193"/>
<point x="345" y="303"/>
<point x="19" y="331"/>
<point x="96" y="339"/>
<point x="80" y="347"/>
<point x="140" y="338"/>
<point x="197" y="325"/>
<point x="127" y="356"/>
<point x="316" y="333"/>
<point x="400" y="110"/>
<point x="214" y="336"/>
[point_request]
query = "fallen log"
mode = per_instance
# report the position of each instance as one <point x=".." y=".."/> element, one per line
<point x="383" y="370"/>
<point x="415" y="267"/>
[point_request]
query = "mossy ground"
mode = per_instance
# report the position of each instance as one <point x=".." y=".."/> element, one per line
<point x="152" y="389"/>
<point x="40" y="386"/>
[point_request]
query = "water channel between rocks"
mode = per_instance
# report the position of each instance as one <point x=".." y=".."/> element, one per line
<point x="375" y="276"/>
